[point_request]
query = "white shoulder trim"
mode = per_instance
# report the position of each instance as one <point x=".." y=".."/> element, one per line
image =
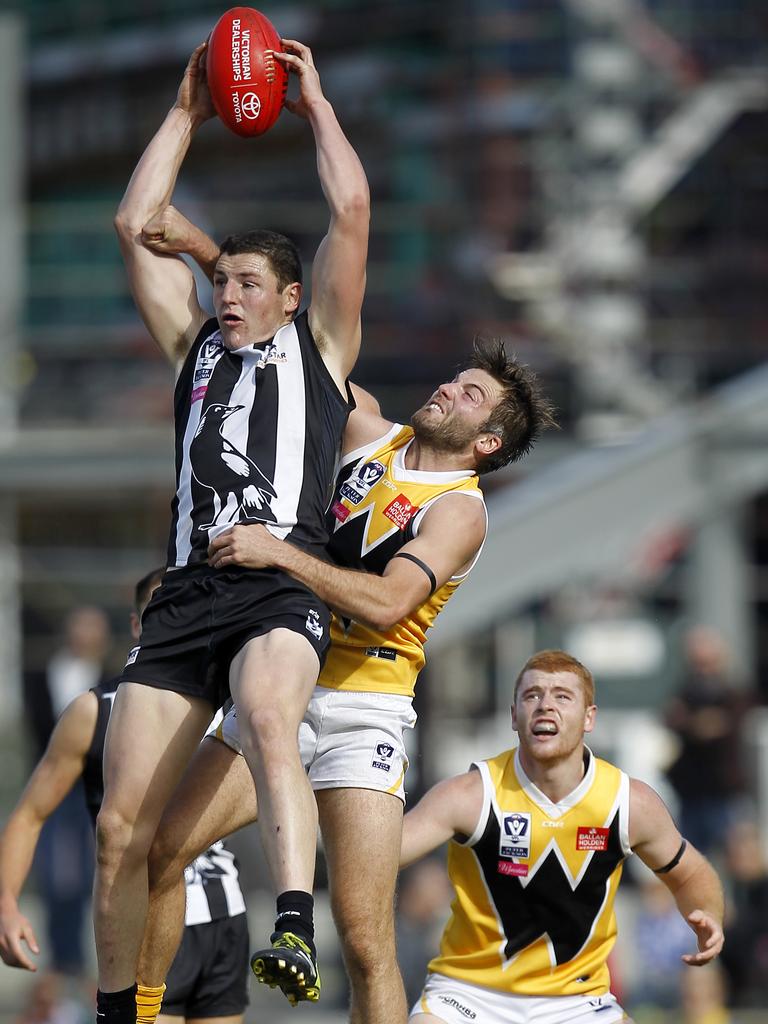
<point x="482" y="821"/>
<point x="371" y="447"/>
<point x="421" y="476"/>
<point x="624" y="815"/>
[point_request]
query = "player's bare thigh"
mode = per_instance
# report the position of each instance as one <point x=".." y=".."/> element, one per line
<point x="151" y="736"/>
<point x="280" y="665"/>
<point x="215" y="797"/>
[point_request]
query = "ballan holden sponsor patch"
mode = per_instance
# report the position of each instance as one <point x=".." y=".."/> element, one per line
<point x="400" y="511"/>
<point x="592" y="838"/>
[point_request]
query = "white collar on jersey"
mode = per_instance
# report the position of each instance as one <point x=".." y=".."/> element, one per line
<point x="556" y="810"/>
<point x="399" y="471"/>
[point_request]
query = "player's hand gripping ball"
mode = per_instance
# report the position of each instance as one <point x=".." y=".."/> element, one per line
<point x="246" y="83"/>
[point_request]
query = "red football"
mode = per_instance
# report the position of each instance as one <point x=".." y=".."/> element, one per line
<point x="247" y="84"/>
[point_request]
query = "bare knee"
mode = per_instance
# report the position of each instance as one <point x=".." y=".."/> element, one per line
<point x="367" y="940"/>
<point x="120" y="840"/>
<point x="268" y="729"/>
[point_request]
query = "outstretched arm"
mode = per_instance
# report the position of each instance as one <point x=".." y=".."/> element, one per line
<point x="162" y="284"/>
<point x="56" y="773"/>
<point x="450" y="535"/>
<point x="338" y="271"/>
<point x="450" y="808"/>
<point x="691" y="879"/>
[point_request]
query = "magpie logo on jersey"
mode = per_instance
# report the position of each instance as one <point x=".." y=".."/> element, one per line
<point x="358" y="485"/>
<point x="382" y="758"/>
<point x="515" y="836"/>
<point x="241" y="490"/>
<point x="313" y="624"/>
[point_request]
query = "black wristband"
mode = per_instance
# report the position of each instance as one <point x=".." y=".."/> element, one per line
<point x="674" y="862"/>
<point x="422" y="565"/>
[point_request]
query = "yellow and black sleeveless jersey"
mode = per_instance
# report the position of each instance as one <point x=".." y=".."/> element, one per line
<point x="536" y="882"/>
<point x="376" y="509"/>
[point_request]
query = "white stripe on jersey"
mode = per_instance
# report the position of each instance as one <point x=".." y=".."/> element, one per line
<point x="205" y="361"/>
<point x="217" y="865"/>
<point x="291" y="433"/>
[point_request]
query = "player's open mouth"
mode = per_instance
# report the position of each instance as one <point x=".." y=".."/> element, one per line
<point x="434" y="406"/>
<point x="231" y="319"/>
<point x="544" y="729"/>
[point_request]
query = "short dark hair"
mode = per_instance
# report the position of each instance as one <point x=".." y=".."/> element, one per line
<point x="522" y="412"/>
<point x="144" y="588"/>
<point x="281" y="252"/>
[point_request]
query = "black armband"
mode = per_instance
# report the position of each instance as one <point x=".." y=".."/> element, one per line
<point x="422" y="565"/>
<point x="674" y="862"/>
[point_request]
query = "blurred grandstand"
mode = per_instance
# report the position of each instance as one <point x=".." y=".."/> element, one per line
<point x="586" y="178"/>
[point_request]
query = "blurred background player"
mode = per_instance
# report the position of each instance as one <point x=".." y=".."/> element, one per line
<point x="208" y="977"/>
<point x="261" y="401"/>
<point x="538" y="836"/>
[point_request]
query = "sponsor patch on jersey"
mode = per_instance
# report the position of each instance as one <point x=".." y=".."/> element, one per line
<point x="132" y="655"/>
<point x="198" y="394"/>
<point x="203" y="373"/>
<point x="313" y="624"/>
<point x="592" y="838"/>
<point x="387" y="653"/>
<point x="382" y="756"/>
<point x="358" y="485"/>
<point x="400" y="511"/>
<point x="515" y="835"/>
<point x="340" y="511"/>
<point x="508" y="867"/>
<point x="268" y="355"/>
<point x="553" y="824"/>
<point x="352" y="496"/>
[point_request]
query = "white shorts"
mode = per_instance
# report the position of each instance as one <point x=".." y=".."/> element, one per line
<point x="348" y="739"/>
<point x="457" y="1002"/>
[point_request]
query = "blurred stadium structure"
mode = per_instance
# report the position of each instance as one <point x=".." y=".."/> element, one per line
<point x="586" y="178"/>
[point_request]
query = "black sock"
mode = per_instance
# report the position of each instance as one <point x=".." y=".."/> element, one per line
<point x="116" y="1007"/>
<point x="294" y="914"/>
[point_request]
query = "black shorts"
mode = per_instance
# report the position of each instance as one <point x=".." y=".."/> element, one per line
<point x="209" y="976"/>
<point x="199" y="618"/>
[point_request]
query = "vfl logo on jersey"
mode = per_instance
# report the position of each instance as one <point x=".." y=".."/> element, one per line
<point x="400" y="511"/>
<point x="592" y="838"/>
<point x="267" y="355"/>
<point x="132" y="656"/>
<point x="313" y="624"/>
<point x="356" y="488"/>
<point x="382" y="758"/>
<point x="515" y="836"/>
<point x="242" y="491"/>
<point x="207" y="358"/>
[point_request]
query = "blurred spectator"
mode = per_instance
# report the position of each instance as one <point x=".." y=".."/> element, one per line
<point x="745" y="954"/>
<point x="423" y="900"/>
<point x="660" y="938"/>
<point x="64" y="858"/>
<point x="707" y="715"/>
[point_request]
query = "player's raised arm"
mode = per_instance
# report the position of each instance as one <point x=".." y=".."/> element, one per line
<point x="338" y="271"/>
<point x="688" y="875"/>
<point x="451" y="808"/>
<point x="56" y="773"/>
<point x="162" y="285"/>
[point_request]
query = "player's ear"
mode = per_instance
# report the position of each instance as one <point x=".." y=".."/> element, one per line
<point x="589" y="717"/>
<point x="292" y="297"/>
<point x="135" y="626"/>
<point x="487" y="444"/>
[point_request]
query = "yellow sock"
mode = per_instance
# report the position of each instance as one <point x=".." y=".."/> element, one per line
<point x="148" y="1003"/>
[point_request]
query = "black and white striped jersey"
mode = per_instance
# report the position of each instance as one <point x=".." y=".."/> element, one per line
<point x="212" y="884"/>
<point x="258" y="433"/>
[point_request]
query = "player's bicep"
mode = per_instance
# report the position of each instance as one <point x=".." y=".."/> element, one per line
<point x="163" y="288"/>
<point x="450" y="808"/>
<point x="653" y="835"/>
<point x="450" y="536"/>
<point x="338" y="287"/>
<point x="64" y="759"/>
